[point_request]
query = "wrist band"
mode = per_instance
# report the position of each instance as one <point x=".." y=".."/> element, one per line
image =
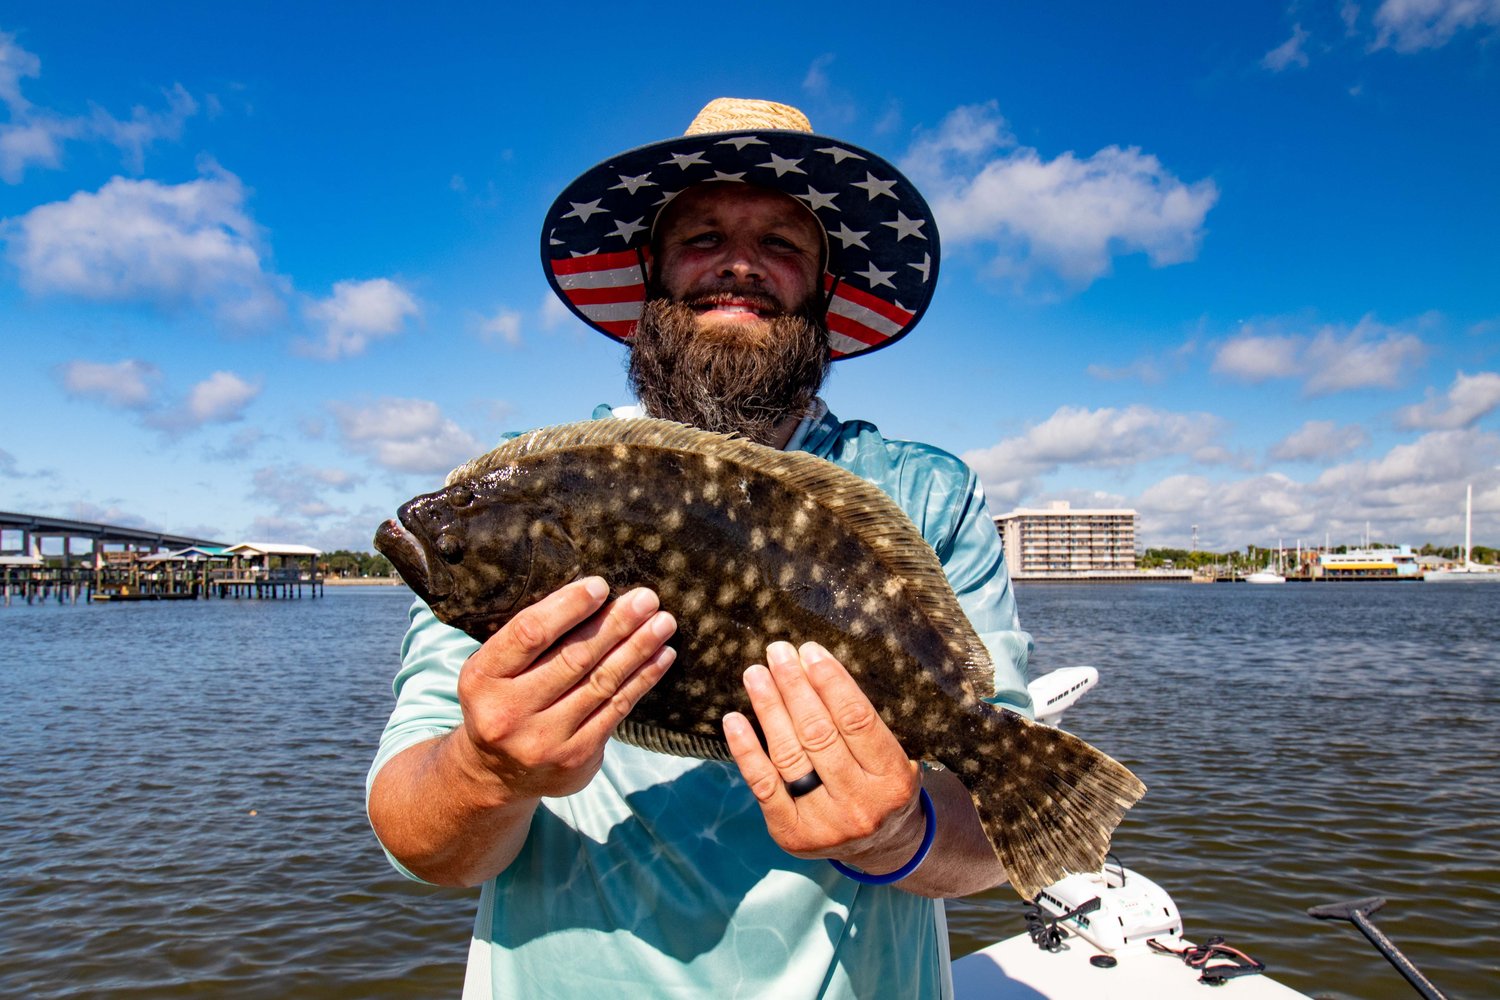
<point x="900" y="873"/>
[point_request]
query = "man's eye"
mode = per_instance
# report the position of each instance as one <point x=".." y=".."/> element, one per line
<point x="709" y="239"/>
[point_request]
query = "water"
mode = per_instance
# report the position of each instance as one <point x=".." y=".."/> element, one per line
<point x="181" y="786"/>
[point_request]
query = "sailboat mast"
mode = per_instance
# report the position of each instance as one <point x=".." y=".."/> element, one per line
<point x="1469" y="525"/>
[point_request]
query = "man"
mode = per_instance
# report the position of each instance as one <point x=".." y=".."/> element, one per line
<point x="737" y="261"/>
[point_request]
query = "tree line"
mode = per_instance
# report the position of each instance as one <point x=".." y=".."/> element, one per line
<point x="1162" y="558"/>
<point x="345" y="563"/>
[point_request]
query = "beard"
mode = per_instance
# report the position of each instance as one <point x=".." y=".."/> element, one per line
<point x="722" y="377"/>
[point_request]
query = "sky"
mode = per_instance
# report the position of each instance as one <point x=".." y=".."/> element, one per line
<point x="267" y="270"/>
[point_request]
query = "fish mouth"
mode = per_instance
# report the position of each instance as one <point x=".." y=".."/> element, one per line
<point x="406" y="552"/>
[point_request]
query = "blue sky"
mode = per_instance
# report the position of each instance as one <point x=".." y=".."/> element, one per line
<point x="267" y="270"/>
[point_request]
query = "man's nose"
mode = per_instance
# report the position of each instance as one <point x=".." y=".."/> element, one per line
<point x="742" y="261"/>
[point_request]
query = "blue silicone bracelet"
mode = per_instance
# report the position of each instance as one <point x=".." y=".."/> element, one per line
<point x="900" y="873"/>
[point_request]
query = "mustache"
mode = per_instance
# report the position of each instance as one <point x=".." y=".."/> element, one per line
<point x="761" y="301"/>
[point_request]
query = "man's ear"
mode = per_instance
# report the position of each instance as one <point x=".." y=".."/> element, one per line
<point x="648" y="264"/>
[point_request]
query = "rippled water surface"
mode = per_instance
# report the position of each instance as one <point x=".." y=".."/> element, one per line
<point x="181" y="786"/>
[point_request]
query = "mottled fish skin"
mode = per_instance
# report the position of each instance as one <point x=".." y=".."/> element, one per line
<point x="746" y="545"/>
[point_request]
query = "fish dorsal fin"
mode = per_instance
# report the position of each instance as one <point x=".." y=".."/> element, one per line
<point x="872" y="515"/>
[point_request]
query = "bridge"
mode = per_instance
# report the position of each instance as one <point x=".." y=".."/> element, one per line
<point x="38" y="527"/>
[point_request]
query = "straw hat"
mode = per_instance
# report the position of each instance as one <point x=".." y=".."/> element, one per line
<point x="882" y="240"/>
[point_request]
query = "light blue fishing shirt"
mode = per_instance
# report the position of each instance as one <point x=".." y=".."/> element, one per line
<point x="659" y="879"/>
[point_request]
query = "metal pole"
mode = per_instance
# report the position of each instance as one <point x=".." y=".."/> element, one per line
<point x="1355" y="912"/>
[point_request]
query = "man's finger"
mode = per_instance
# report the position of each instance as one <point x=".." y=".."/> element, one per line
<point x="577" y="655"/>
<point x="863" y="733"/>
<point x="760" y="774"/>
<point x="784" y="745"/>
<point x="605" y="682"/>
<point x="535" y="629"/>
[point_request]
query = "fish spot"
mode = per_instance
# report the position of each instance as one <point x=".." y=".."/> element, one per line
<point x="757" y="538"/>
<point x="859" y="627"/>
<point x="623" y="534"/>
<point x="674" y="562"/>
<point x="893" y="585"/>
<point x="651" y="542"/>
<point x="711" y="491"/>
<point x="693" y="600"/>
<point x="786" y="575"/>
<point x="711" y="463"/>
<point x="871" y="606"/>
<point x="620" y="452"/>
<point x="728" y="595"/>
<point x="673" y="520"/>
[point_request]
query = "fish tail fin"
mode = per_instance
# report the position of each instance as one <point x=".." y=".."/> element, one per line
<point x="1048" y="801"/>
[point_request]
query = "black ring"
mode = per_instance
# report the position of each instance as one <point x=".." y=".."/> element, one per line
<point x="804" y="784"/>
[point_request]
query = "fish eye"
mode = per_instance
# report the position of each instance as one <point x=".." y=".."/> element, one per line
<point x="460" y="496"/>
<point x="450" y="548"/>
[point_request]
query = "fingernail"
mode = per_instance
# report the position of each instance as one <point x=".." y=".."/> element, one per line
<point x="780" y="652"/>
<point x="596" y="588"/>
<point x="813" y="651"/>
<point x="663" y="625"/>
<point x="641" y="600"/>
<point x="757" y="676"/>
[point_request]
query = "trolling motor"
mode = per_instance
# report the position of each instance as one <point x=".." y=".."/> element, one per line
<point x="1357" y="912"/>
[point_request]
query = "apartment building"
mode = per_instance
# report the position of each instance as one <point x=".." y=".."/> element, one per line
<point x="1058" y="541"/>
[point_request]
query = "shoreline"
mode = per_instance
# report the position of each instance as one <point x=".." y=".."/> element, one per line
<point x="363" y="581"/>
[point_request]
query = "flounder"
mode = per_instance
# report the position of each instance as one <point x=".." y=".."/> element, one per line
<point x="745" y="544"/>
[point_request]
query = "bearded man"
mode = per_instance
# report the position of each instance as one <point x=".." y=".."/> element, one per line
<point x="730" y="260"/>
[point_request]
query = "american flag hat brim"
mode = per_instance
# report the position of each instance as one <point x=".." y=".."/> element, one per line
<point x="882" y="240"/>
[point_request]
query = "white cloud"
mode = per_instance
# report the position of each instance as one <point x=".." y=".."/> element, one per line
<point x="144" y="127"/>
<point x="145" y="241"/>
<point x="34" y="136"/>
<point x="128" y="385"/>
<point x="1069" y="216"/>
<point x="357" y="313"/>
<point x="406" y="435"/>
<point x="503" y="327"/>
<point x="1318" y="440"/>
<point x="1333" y="359"/>
<point x="553" y="312"/>
<point x="1107" y="437"/>
<point x="1412" y="25"/>
<point x="1469" y="398"/>
<point x="219" y="399"/>
<point x="1288" y="53"/>
<point x="1258" y="358"/>
<point x="294" y="489"/>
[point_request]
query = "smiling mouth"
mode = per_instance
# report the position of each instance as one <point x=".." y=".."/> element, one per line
<point x="736" y="308"/>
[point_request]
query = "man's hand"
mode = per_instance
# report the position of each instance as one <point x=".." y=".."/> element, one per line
<point x="866" y="812"/>
<point x="541" y="697"/>
<point x="815" y="717"/>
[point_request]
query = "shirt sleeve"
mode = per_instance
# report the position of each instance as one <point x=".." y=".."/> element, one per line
<point x="426" y="686"/>
<point x="952" y="514"/>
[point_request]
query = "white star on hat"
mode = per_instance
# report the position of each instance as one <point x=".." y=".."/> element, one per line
<point x="817" y="199"/>
<point x="582" y="211"/>
<point x="875" y="188"/>
<point x="625" y="230"/>
<point x="850" y="237"/>
<point x="685" y="160"/>
<point x="634" y="184"/>
<point x="905" y="227"/>
<point x="840" y="155"/>
<point x="783" y="165"/>
<point x="875" y="276"/>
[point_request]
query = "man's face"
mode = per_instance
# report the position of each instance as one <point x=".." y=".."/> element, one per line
<point x="731" y="338"/>
<point x="737" y="254"/>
